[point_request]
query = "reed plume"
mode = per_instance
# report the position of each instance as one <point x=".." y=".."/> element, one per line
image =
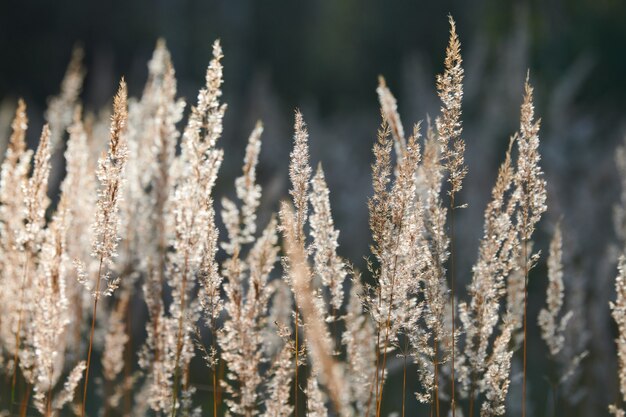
<point x="449" y="129"/>
<point x="553" y="326"/>
<point x="319" y="344"/>
<point x="299" y="176"/>
<point x="13" y="183"/>
<point x="498" y="252"/>
<point x="110" y="174"/>
<point x="328" y="266"/>
<point x="531" y="188"/>
<point x="247" y="290"/>
<point x="193" y="214"/>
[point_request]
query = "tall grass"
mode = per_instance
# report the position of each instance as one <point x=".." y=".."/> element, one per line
<point x="295" y="326"/>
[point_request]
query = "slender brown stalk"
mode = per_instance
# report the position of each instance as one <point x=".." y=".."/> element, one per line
<point x="379" y="400"/>
<point x="377" y="354"/>
<point x="220" y="376"/>
<point x="525" y="255"/>
<point x="91" y="332"/>
<point x="318" y="339"/>
<point x="299" y="174"/>
<point x="452" y="282"/>
<point x="110" y="171"/>
<point x="295" y="382"/>
<point x="49" y="402"/>
<point x="450" y="91"/>
<point x="214" y="392"/>
<point x="24" y="406"/>
<point x="49" y="395"/>
<point x="436" y="365"/>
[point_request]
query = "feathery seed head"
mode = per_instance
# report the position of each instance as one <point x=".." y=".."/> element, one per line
<point x="552" y="328"/>
<point x="300" y="174"/>
<point x="449" y="128"/>
<point x="389" y="110"/>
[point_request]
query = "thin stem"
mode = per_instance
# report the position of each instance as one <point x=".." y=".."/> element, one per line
<point x="49" y="397"/>
<point x="452" y="281"/>
<point x="93" y="326"/>
<point x="24" y="406"/>
<point x="214" y="391"/>
<point x="295" y="384"/>
<point x="436" y="365"/>
<point x="471" y="398"/>
<point x="214" y="367"/>
<point x="220" y="376"/>
<point x="525" y="254"/>
<point x="186" y="385"/>
<point x="49" y="403"/>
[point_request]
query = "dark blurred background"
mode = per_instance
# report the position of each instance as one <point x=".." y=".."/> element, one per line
<point x="324" y="58"/>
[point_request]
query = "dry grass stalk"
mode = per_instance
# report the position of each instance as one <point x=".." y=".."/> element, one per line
<point x="155" y="222"/>
<point x="30" y="239"/>
<point x="449" y="129"/>
<point x="397" y="228"/>
<point x="156" y="135"/>
<point x="531" y="188"/>
<point x="192" y="211"/>
<point x="110" y="174"/>
<point x="318" y="341"/>
<point x="247" y="289"/>
<point x="13" y="180"/>
<point x="299" y="175"/>
<point x="359" y="339"/>
<point x="115" y="340"/>
<point x="497" y="374"/>
<point x="14" y="172"/>
<point x="433" y="346"/>
<point x="328" y="266"/>
<point x="281" y="373"/>
<point x="498" y="252"/>
<point x="552" y="328"/>
<point x="389" y="110"/>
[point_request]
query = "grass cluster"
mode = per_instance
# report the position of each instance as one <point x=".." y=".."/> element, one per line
<point x="283" y="324"/>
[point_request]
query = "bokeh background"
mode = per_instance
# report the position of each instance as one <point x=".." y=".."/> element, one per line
<point x="324" y="58"/>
